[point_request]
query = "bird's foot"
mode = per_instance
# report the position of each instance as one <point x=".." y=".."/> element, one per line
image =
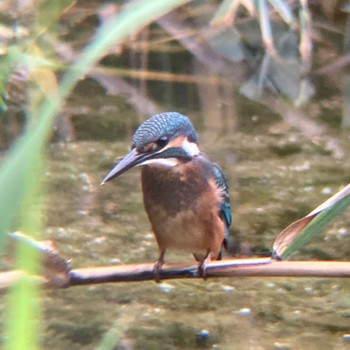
<point x="202" y="271"/>
<point x="202" y="267"/>
<point x="157" y="268"/>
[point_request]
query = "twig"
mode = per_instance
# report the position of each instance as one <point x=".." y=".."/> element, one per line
<point x="144" y="272"/>
<point x="263" y="267"/>
<point x="260" y="267"/>
<point x="334" y="66"/>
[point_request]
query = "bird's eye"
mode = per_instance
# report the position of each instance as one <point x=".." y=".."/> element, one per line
<point x="162" y="141"/>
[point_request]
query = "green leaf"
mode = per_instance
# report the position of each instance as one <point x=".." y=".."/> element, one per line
<point x="20" y="161"/>
<point x="21" y="172"/>
<point x="300" y="232"/>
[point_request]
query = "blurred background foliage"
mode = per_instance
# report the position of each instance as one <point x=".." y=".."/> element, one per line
<point x="267" y="50"/>
<point x="276" y="53"/>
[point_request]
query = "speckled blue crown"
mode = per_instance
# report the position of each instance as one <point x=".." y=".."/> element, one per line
<point x="163" y="125"/>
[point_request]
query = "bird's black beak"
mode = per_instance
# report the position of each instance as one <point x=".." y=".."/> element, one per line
<point x="132" y="159"/>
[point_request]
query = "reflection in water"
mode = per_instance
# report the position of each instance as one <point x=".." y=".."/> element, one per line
<point x="217" y="101"/>
<point x="280" y="162"/>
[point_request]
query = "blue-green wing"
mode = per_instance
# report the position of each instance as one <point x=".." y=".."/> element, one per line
<point x="225" y="208"/>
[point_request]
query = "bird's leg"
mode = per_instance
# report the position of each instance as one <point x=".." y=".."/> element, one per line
<point x="202" y="267"/>
<point x="158" y="265"/>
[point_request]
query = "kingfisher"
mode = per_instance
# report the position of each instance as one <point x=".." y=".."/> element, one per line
<point x="185" y="195"/>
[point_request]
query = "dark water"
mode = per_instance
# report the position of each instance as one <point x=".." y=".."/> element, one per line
<point x="279" y="167"/>
<point x="275" y="177"/>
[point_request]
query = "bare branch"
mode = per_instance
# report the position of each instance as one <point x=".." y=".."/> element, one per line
<point x="263" y="267"/>
<point x="259" y="267"/>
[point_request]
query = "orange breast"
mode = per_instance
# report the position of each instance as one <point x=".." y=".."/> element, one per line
<point x="182" y="204"/>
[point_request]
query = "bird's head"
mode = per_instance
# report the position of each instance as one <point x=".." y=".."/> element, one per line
<point x="165" y="139"/>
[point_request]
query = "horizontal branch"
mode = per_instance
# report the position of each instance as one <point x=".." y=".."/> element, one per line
<point x="225" y="268"/>
<point x="259" y="267"/>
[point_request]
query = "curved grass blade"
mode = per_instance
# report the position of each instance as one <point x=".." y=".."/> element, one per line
<point x="303" y="230"/>
<point x="21" y="159"/>
<point x="284" y="11"/>
<point x="18" y="182"/>
<point x="266" y="30"/>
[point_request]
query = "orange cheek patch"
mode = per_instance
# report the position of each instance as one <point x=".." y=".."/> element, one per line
<point x="178" y="142"/>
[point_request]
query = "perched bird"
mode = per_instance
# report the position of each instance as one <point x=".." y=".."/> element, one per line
<point x="185" y="195"/>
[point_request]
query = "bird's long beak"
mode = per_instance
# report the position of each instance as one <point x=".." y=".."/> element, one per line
<point x="132" y="159"/>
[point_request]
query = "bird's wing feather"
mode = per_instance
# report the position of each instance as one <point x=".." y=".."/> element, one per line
<point x="225" y="207"/>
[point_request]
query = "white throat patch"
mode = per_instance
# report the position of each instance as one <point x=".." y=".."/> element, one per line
<point x="165" y="162"/>
<point x="191" y="148"/>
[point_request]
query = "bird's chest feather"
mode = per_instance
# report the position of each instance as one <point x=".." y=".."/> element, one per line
<point x="182" y="204"/>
